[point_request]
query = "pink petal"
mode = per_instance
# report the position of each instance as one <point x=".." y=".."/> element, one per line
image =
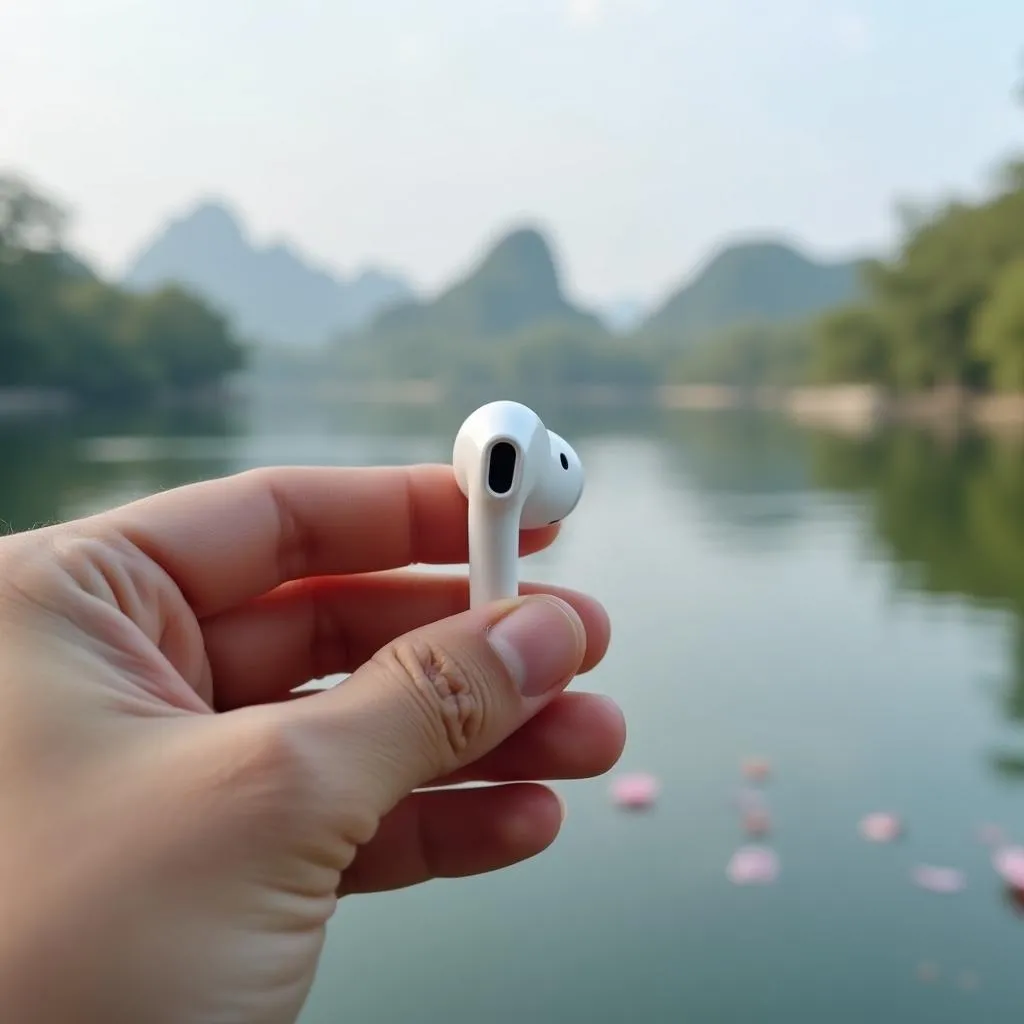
<point x="756" y="822"/>
<point x="941" y="880"/>
<point x="633" y="791"/>
<point x="1009" y="863"/>
<point x="880" y="827"/>
<point x="753" y="865"/>
<point x="756" y="769"/>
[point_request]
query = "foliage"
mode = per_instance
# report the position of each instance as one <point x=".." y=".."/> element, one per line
<point x="63" y="327"/>
<point x="852" y="347"/>
<point x="998" y="333"/>
<point x="28" y="220"/>
<point x="947" y="310"/>
<point x="749" y="355"/>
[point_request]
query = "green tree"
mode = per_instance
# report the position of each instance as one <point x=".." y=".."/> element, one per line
<point x="61" y="326"/>
<point x="852" y="346"/>
<point x="917" y="328"/>
<point x="28" y="220"/>
<point x="998" y="334"/>
<point x="182" y="342"/>
<point x="750" y="355"/>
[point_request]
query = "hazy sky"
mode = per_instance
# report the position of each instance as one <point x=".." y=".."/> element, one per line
<point x="409" y="132"/>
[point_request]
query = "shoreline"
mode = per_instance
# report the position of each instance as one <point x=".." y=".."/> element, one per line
<point x="849" y="408"/>
<point x="18" y="403"/>
<point x="853" y="409"/>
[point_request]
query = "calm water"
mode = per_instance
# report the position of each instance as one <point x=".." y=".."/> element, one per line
<point x="853" y="611"/>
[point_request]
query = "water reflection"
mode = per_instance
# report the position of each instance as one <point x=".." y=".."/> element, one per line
<point x="949" y="511"/>
<point x="750" y="471"/>
<point x="50" y="472"/>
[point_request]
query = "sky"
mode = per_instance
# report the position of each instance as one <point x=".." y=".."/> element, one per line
<point x="639" y="134"/>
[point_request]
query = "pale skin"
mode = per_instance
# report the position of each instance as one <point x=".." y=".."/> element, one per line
<point x="177" y="826"/>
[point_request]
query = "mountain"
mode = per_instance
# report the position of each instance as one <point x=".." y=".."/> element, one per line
<point x="273" y="294"/>
<point x="766" y="281"/>
<point x="515" y="285"/>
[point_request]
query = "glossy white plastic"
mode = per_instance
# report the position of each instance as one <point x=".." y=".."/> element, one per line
<point x="515" y="475"/>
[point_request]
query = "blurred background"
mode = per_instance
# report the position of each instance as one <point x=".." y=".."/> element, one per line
<point x="763" y="265"/>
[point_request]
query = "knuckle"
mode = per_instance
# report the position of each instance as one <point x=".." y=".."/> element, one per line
<point x="449" y="693"/>
<point x="267" y="766"/>
<point x="42" y="564"/>
<point x="279" y="781"/>
<point x="296" y="544"/>
<point x="66" y="564"/>
<point x="269" y="782"/>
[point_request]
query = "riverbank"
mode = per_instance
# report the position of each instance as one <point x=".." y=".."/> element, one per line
<point x="851" y="409"/>
<point x="861" y="409"/>
<point x="28" y="402"/>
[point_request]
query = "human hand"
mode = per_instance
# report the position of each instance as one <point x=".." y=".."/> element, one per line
<point x="176" y="825"/>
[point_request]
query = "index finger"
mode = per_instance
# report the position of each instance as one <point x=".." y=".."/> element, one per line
<point x="229" y="540"/>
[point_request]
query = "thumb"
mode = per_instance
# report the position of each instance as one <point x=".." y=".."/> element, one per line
<point x="440" y="697"/>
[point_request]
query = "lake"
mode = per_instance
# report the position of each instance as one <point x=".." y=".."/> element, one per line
<point x="850" y="610"/>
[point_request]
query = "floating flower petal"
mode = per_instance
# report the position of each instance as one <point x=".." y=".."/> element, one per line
<point x="881" y="827"/>
<point x="941" y="880"/>
<point x="635" y="791"/>
<point x="756" y="769"/>
<point x="756" y="822"/>
<point x="753" y="865"/>
<point x="1009" y="863"/>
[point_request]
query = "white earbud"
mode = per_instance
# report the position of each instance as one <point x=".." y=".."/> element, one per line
<point x="515" y="474"/>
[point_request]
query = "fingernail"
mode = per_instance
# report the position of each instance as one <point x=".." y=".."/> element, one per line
<point x="541" y="643"/>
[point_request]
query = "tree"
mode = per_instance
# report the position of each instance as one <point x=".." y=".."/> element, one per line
<point x="852" y="346"/>
<point x="925" y="306"/>
<point x="183" y="343"/>
<point x="998" y="334"/>
<point x="28" y="221"/>
<point x="61" y="326"/>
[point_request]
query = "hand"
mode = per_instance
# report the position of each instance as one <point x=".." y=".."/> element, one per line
<point x="176" y="824"/>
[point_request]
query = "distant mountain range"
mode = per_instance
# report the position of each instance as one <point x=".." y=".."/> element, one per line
<point x="516" y="285"/>
<point x="275" y="294"/>
<point x="272" y="294"/>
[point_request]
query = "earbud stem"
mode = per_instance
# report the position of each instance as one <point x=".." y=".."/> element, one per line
<point x="493" y="551"/>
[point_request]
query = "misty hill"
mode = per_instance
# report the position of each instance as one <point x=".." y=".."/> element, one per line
<point x="272" y="294"/>
<point x="761" y="281"/>
<point x="505" y="326"/>
<point x="515" y="285"/>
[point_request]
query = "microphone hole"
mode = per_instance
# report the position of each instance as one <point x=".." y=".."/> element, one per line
<point x="501" y="468"/>
<point x="563" y="458"/>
